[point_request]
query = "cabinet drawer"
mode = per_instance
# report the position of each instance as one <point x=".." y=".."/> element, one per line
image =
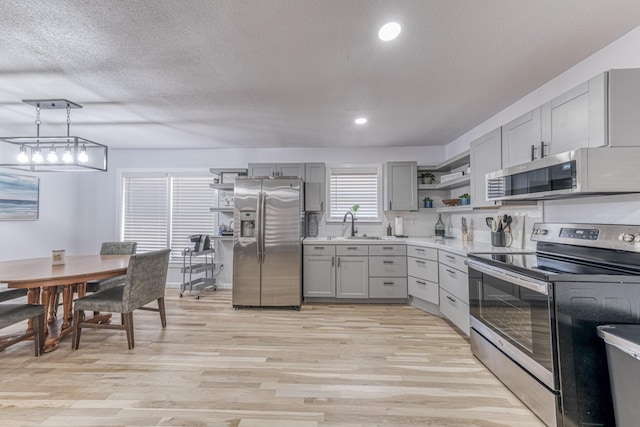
<point x="419" y="252"/>
<point x="388" y="266"/>
<point x="423" y="289"/>
<point x="422" y="269"/>
<point x="352" y="250"/>
<point x="455" y="310"/>
<point x="455" y="282"/>
<point x="314" y="250"/>
<point x="392" y="287"/>
<point x="453" y="260"/>
<point x="395" y="250"/>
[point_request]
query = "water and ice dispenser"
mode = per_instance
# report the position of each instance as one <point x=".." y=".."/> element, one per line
<point x="247" y="224"/>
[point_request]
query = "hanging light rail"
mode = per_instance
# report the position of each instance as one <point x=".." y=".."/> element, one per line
<point x="52" y="153"/>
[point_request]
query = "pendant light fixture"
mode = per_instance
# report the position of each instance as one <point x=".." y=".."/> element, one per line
<point x="25" y="153"/>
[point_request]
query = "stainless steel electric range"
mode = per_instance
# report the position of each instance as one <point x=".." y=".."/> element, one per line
<point x="534" y="316"/>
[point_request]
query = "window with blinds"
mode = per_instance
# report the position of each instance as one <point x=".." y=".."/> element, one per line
<point x="163" y="210"/>
<point x="351" y="186"/>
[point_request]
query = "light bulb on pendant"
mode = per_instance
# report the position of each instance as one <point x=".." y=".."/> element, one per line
<point x="83" y="157"/>
<point x="67" y="157"/>
<point x="37" y="156"/>
<point x="22" y="156"/>
<point x="52" y="157"/>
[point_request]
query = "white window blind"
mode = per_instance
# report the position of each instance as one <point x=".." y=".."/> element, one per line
<point x="351" y="186"/>
<point x="163" y="210"/>
<point x="191" y="200"/>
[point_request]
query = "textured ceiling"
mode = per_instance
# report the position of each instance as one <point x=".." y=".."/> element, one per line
<point x="278" y="73"/>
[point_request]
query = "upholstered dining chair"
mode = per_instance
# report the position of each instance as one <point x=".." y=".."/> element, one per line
<point x="144" y="282"/>
<point x="112" y="248"/>
<point x="12" y="313"/>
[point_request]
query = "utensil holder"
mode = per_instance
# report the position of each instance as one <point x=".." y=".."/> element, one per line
<point x="499" y="239"/>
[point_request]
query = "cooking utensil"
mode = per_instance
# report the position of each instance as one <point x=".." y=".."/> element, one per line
<point x="500" y="224"/>
<point x="489" y="222"/>
<point x="507" y="227"/>
<point x="494" y="225"/>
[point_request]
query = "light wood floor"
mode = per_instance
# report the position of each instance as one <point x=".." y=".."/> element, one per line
<point x="327" y="365"/>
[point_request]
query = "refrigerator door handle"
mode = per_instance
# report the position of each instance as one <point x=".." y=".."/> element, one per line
<point x="263" y="221"/>
<point x="258" y="228"/>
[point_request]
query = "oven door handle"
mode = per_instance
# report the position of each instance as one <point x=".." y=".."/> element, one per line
<point x="517" y="279"/>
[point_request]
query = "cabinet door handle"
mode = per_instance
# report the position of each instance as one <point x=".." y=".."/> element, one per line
<point x="533" y="152"/>
<point x="319" y="247"/>
<point x="351" y="248"/>
<point x="451" y="299"/>
<point x="338" y="262"/>
<point x="450" y="256"/>
<point x="390" y="205"/>
<point x="387" y="262"/>
<point x="333" y="261"/>
<point x="420" y="262"/>
<point x="388" y="248"/>
<point x="419" y="250"/>
<point x="387" y="283"/>
<point x="451" y="272"/>
<point x="322" y="205"/>
<point x="542" y="147"/>
<point x="420" y="282"/>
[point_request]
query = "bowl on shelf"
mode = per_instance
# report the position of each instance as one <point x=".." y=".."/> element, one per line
<point x="451" y="202"/>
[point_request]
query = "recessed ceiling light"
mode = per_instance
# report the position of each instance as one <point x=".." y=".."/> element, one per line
<point x="389" y="31"/>
<point x="361" y="120"/>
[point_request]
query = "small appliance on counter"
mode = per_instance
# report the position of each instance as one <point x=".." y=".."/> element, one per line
<point x="199" y="242"/>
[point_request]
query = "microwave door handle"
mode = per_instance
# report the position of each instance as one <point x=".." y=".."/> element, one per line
<point x="531" y="284"/>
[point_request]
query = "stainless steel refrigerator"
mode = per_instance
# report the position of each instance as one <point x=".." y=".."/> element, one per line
<point x="267" y="246"/>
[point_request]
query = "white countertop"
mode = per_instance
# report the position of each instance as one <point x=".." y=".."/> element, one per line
<point x="451" y="245"/>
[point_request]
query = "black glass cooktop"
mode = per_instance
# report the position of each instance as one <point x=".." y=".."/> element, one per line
<point x="565" y="260"/>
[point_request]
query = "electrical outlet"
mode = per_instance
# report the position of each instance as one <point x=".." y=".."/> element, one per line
<point x="221" y="267"/>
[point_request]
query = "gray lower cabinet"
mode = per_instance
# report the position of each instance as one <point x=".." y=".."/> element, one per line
<point x="454" y="289"/>
<point x="319" y="271"/>
<point x="387" y="272"/>
<point x="352" y="277"/>
<point x="422" y="270"/>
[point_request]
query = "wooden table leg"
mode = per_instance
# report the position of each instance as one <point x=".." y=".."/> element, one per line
<point x="67" y="305"/>
<point x="33" y="297"/>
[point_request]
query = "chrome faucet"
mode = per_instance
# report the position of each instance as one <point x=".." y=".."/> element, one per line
<point x="353" y="230"/>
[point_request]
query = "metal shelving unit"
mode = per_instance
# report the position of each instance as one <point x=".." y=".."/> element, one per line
<point x="194" y="263"/>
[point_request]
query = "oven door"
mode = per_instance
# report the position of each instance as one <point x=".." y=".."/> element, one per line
<point x="514" y="312"/>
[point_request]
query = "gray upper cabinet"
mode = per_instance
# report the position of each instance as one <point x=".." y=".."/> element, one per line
<point x="577" y="118"/>
<point x="522" y="139"/>
<point x="277" y="169"/>
<point x="486" y="156"/>
<point x="602" y="111"/>
<point x="315" y="187"/>
<point x="400" y="186"/>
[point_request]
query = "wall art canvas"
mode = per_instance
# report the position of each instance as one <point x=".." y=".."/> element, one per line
<point x="19" y="197"/>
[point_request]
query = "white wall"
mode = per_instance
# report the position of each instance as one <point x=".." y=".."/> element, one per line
<point x="61" y="199"/>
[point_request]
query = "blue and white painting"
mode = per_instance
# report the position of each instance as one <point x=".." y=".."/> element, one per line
<point x="18" y="197"/>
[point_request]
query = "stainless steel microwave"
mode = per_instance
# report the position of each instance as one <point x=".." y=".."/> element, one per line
<point x="582" y="172"/>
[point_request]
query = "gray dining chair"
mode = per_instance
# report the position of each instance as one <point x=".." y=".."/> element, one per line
<point x="112" y="248"/>
<point x="12" y="313"/>
<point x="144" y="283"/>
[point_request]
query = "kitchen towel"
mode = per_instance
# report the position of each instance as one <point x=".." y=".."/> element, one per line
<point x="399" y="226"/>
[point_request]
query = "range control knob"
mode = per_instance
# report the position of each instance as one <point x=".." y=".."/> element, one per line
<point x="544" y="232"/>
<point x="627" y="237"/>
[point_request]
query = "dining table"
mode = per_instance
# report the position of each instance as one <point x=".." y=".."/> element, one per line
<point x="44" y="281"/>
